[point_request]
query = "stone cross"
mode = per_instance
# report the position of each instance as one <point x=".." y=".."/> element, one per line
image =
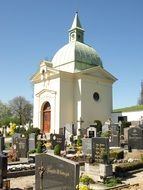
<point x="41" y="172"/>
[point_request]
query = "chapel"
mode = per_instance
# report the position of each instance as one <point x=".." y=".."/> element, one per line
<point x="72" y="88"/>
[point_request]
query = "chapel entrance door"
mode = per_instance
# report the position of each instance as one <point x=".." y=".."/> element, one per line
<point x="46" y="117"/>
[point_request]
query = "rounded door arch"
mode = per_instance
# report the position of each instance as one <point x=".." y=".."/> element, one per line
<point x="46" y="112"/>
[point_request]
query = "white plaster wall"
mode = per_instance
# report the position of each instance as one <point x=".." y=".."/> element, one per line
<point x="77" y="101"/>
<point x="66" y="100"/>
<point x="95" y="110"/>
<point x="43" y="92"/>
<point x="131" y="116"/>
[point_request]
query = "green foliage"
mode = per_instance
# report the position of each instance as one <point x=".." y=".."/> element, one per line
<point x="32" y="151"/>
<point x="83" y="187"/>
<point x="57" y="149"/>
<point x="39" y="147"/>
<point x="116" y="154"/>
<point x="106" y="134"/>
<point x="99" y="125"/>
<point x="86" y="180"/>
<point x="32" y="129"/>
<point x="79" y="141"/>
<point x="20" y="130"/>
<point x="111" y="182"/>
<point x="125" y="167"/>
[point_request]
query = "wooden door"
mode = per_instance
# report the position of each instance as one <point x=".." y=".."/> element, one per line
<point x="46" y="118"/>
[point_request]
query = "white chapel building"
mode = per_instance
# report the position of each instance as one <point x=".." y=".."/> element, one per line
<point x="72" y="88"/>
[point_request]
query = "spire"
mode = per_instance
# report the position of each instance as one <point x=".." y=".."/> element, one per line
<point x="76" y="31"/>
<point x="76" y="22"/>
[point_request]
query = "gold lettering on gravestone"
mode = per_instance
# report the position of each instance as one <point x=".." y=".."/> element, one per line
<point x="99" y="150"/>
<point x="50" y="170"/>
<point x="41" y="172"/>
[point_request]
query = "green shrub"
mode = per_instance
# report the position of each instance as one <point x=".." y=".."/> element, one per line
<point x="125" y="167"/>
<point x="116" y="154"/>
<point x="79" y="141"/>
<point x="111" y="182"/>
<point x="98" y="126"/>
<point x="86" y="180"/>
<point x="57" y="149"/>
<point x="39" y="147"/>
<point x="32" y="151"/>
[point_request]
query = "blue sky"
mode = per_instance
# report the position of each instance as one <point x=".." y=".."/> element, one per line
<point x="33" y="30"/>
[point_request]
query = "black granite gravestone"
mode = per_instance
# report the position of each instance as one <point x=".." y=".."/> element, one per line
<point x="87" y="146"/>
<point x="32" y="141"/>
<point x="3" y="168"/>
<point x="57" y="139"/>
<point x="56" y="173"/>
<point x="100" y="150"/>
<point x="1" y="144"/>
<point x="22" y="147"/>
<point x="115" y="136"/>
<point x="135" y="138"/>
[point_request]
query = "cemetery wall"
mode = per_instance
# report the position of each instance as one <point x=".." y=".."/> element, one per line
<point x="131" y="116"/>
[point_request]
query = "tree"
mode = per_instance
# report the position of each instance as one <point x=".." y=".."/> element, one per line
<point x="140" y="101"/>
<point x="21" y="110"/>
<point x="5" y="114"/>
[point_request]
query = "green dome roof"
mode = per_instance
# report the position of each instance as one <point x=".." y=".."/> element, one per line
<point x="76" y="55"/>
<point x="81" y="54"/>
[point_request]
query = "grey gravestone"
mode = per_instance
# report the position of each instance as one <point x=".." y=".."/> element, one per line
<point x="87" y="146"/>
<point x="22" y="147"/>
<point x="100" y="150"/>
<point x="135" y="138"/>
<point x="15" y="137"/>
<point x="2" y="147"/>
<point x="56" y="173"/>
<point x="3" y="168"/>
<point x="105" y="128"/>
<point x="32" y="141"/>
<point x="115" y="136"/>
<point x="57" y="139"/>
<point x="69" y="133"/>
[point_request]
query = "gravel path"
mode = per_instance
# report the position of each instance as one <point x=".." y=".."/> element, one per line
<point x="29" y="181"/>
<point x="22" y="182"/>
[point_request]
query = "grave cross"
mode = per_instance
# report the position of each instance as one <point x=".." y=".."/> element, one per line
<point x="80" y="121"/>
<point x="41" y="172"/>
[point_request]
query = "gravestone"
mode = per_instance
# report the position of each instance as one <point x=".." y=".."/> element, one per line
<point x="97" y="147"/>
<point x="87" y="146"/>
<point x="100" y="150"/>
<point x="91" y="131"/>
<point x="2" y="146"/>
<point x="115" y="136"/>
<point x="55" y="173"/>
<point x="69" y="133"/>
<point x="15" y="137"/>
<point x="32" y="141"/>
<point x="105" y="128"/>
<point x="57" y="139"/>
<point x="22" y="147"/>
<point x="3" y="168"/>
<point x="135" y="138"/>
